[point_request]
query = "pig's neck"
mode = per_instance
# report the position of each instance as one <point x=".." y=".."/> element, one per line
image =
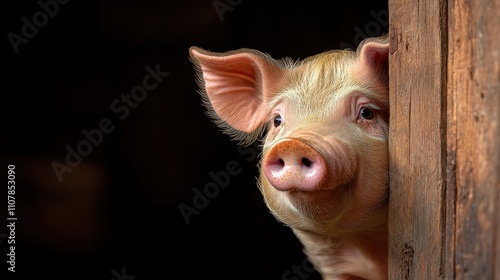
<point x="361" y="256"/>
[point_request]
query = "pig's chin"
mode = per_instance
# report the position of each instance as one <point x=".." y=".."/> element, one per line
<point x="322" y="205"/>
<point x="325" y="204"/>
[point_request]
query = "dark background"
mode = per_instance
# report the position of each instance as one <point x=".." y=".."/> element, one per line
<point x="118" y="208"/>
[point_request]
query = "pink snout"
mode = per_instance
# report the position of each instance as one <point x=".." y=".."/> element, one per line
<point x="291" y="164"/>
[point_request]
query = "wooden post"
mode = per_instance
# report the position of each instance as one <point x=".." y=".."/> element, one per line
<point x="444" y="143"/>
<point x="417" y="138"/>
<point x="473" y="196"/>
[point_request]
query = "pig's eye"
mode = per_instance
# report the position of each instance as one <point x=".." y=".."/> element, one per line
<point x="366" y="113"/>
<point x="277" y="120"/>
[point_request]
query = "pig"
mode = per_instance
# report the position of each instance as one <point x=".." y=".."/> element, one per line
<point x="323" y="125"/>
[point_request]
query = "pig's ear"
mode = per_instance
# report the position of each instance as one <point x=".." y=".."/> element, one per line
<point x="236" y="87"/>
<point x="372" y="63"/>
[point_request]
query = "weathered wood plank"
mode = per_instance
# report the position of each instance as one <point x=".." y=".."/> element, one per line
<point x="417" y="140"/>
<point x="473" y="216"/>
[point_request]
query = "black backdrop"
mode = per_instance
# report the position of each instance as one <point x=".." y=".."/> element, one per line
<point x="116" y="214"/>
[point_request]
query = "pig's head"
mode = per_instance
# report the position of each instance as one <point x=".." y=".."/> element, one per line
<point x="325" y="126"/>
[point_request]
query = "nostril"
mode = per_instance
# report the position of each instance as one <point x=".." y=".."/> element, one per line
<point x="277" y="163"/>
<point x="292" y="164"/>
<point x="306" y="162"/>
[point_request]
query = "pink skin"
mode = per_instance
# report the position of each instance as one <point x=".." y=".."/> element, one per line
<point x="324" y="164"/>
<point x="293" y="165"/>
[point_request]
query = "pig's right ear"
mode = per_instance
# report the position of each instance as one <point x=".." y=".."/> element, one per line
<point x="236" y="87"/>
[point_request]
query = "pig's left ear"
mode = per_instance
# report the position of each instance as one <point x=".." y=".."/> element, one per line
<point x="372" y="63"/>
<point x="236" y="87"/>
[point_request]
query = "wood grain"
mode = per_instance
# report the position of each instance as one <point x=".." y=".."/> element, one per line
<point x="444" y="143"/>
<point x="473" y="215"/>
<point x="417" y="140"/>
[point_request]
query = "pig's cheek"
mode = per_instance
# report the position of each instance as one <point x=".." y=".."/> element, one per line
<point x="271" y="135"/>
<point x="373" y="176"/>
<point x="274" y="132"/>
<point x="373" y="128"/>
